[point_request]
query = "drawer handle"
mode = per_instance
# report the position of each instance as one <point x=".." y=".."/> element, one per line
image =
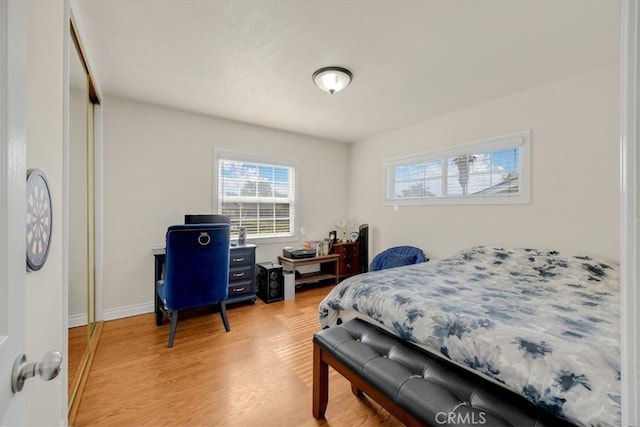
<point x="238" y="259"/>
<point x="238" y="289"/>
<point x="235" y="275"/>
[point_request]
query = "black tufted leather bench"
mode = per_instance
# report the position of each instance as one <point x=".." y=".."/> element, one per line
<point x="414" y="386"/>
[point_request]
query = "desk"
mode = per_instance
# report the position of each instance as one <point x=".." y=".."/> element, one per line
<point x="242" y="273"/>
<point x="328" y="268"/>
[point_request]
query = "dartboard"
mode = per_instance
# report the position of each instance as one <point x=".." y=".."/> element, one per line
<point x="39" y="217"/>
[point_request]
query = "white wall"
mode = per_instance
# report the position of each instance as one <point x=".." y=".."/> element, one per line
<point x="575" y="173"/>
<point x="44" y="292"/>
<point x="158" y="165"/>
<point x="77" y="198"/>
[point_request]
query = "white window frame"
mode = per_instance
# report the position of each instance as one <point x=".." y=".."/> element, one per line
<point x="239" y="156"/>
<point x="521" y="139"/>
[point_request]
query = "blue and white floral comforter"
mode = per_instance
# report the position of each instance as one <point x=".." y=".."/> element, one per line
<point x="542" y="323"/>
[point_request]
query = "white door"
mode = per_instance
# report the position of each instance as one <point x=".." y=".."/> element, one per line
<point x="12" y="204"/>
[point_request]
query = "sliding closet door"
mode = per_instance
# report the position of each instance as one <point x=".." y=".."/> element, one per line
<point x="83" y="101"/>
<point x="78" y="225"/>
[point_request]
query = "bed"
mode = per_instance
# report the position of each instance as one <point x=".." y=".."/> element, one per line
<point x="540" y="323"/>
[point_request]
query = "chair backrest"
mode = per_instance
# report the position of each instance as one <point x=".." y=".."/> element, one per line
<point x="410" y="255"/>
<point x="197" y="265"/>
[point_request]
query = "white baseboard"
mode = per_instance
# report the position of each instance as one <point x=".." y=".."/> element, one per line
<point x="128" y="311"/>
<point x="77" y="320"/>
<point x="113" y="314"/>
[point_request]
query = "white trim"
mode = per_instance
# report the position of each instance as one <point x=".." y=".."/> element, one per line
<point x="77" y="320"/>
<point x="65" y="209"/>
<point x="128" y="311"/>
<point x="113" y="313"/>
<point x="13" y="148"/>
<point x="242" y="156"/>
<point x="4" y="155"/>
<point x="629" y="230"/>
<point x="492" y="143"/>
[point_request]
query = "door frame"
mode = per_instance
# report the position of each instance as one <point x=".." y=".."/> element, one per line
<point x="629" y="229"/>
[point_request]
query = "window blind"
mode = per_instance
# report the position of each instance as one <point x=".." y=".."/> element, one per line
<point x="256" y="192"/>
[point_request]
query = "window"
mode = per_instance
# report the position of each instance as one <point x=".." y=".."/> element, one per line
<point x="257" y="192"/>
<point x="494" y="170"/>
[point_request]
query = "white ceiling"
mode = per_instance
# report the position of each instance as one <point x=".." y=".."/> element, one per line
<point x="252" y="61"/>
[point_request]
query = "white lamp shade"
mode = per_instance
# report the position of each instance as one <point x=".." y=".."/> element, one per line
<point x="345" y="222"/>
<point x="332" y="79"/>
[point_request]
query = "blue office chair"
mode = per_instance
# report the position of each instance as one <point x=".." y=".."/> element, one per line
<point x="397" y="256"/>
<point x="196" y="272"/>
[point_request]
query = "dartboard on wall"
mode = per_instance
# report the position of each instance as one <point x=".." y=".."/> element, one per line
<point x="39" y="218"/>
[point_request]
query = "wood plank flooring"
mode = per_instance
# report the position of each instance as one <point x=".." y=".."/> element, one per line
<point x="78" y="340"/>
<point x="259" y="374"/>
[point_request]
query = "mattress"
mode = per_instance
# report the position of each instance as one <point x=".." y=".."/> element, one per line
<point x="541" y="323"/>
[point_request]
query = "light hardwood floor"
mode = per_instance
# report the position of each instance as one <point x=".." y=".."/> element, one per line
<point x="259" y="374"/>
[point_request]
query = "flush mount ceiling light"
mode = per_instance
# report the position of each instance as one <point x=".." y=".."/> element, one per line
<point x="332" y="79"/>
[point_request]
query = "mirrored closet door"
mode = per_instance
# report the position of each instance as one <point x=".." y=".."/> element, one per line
<point x="83" y="100"/>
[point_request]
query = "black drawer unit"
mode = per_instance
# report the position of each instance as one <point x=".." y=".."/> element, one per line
<point x="242" y="274"/>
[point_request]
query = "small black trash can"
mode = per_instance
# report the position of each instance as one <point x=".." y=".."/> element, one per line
<point x="269" y="282"/>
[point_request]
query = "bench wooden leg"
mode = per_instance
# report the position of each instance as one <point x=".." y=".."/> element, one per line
<point x="320" y="383"/>
<point x="355" y="390"/>
<point x="321" y="362"/>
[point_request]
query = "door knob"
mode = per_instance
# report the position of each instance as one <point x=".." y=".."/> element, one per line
<point x="48" y="369"/>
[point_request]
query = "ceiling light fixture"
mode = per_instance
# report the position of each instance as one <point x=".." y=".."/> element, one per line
<point x="332" y="79"/>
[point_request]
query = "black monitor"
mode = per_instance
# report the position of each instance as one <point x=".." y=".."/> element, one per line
<point x="363" y="239"/>
<point x="206" y="219"/>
